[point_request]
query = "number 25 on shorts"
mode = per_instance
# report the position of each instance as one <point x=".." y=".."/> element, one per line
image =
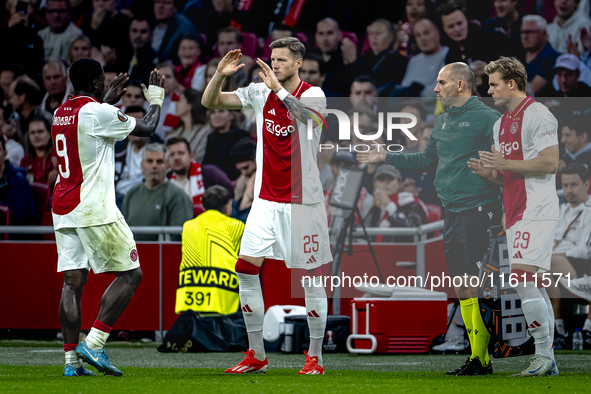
<point x="311" y="244"/>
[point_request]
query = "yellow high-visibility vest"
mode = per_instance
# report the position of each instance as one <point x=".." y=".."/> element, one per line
<point x="207" y="277"/>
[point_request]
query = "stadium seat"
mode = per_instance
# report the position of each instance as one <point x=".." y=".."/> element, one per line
<point x="266" y="51"/>
<point x="302" y="37"/>
<point x="250" y="44"/>
<point x="4" y="218"/>
<point x="41" y="193"/>
<point x="47" y="220"/>
<point x="351" y="36"/>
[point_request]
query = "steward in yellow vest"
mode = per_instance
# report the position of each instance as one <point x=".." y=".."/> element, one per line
<point x="211" y="242"/>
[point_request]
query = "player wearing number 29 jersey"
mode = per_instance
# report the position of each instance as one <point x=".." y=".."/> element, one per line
<point x="525" y="159"/>
<point x="531" y="203"/>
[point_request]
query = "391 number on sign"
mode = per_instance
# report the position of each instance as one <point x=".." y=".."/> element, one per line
<point x="197" y="298"/>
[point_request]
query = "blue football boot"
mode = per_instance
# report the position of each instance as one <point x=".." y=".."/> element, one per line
<point x="82" y="371"/>
<point x="97" y="358"/>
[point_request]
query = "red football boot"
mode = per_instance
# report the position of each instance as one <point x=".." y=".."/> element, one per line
<point x="249" y="364"/>
<point x="311" y="366"/>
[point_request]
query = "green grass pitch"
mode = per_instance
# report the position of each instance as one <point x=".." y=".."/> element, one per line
<point x="35" y="367"/>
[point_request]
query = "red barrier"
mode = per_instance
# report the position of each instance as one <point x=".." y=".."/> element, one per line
<point x="30" y="287"/>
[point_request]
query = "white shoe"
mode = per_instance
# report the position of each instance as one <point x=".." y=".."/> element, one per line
<point x="581" y="287"/>
<point x="539" y="366"/>
<point x="456" y="344"/>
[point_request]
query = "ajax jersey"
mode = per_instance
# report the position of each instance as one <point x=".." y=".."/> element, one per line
<point x="522" y="135"/>
<point x="285" y="156"/>
<point x="83" y="134"/>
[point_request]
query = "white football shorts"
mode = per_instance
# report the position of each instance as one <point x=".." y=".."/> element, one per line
<point x="530" y="242"/>
<point x="294" y="233"/>
<point x="105" y="248"/>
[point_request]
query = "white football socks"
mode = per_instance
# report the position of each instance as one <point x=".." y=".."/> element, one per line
<point x="96" y="339"/>
<point x="536" y="314"/>
<point x="253" y="309"/>
<point x="551" y="320"/>
<point x="72" y="359"/>
<point x="316" y="310"/>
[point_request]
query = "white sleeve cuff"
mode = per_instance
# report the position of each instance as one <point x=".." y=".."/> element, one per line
<point x="282" y="94"/>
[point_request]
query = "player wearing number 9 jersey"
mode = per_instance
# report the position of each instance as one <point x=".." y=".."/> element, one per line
<point x="90" y="232"/>
<point x="525" y="160"/>
<point x="287" y="220"/>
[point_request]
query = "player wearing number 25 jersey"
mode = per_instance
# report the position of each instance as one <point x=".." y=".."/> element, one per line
<point x="90" y="232"/>
<point x="525" y="159"/>
<point x="287" y="220"/>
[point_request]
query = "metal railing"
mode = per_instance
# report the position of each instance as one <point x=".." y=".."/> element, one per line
<point x="419" y="234"/>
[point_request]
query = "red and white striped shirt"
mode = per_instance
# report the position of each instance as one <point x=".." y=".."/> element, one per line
<point x="522" y="135"/>
<point x="287" y="171"/>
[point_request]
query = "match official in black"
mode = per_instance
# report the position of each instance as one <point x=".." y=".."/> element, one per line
<point x="471" y="204"/>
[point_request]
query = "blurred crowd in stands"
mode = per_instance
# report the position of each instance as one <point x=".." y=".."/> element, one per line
<point x="364" y="52"/>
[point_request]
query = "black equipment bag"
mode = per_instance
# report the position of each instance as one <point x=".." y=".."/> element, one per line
<point x="195" y="333"/>
<point x="337" y="330"/>
<point x="500" y="305"/>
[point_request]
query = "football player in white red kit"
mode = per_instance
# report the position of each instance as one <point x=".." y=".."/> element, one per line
<point x="90" y="232"/>
<point x="288" y="219"/>
<point x="524" y="159"/>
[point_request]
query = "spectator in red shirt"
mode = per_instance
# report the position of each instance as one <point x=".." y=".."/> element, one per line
<point x="41" y="161"/>
<point x="190" y="68"/>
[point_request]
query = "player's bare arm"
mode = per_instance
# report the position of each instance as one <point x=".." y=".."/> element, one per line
<point x="116" y="89"/>
<point x="295" y="106"/>
<point x="213" y="97"/>
<point x="146" y="126"/>
<point x="546" y="163"/>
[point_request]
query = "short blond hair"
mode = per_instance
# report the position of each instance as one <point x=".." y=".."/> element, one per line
<point x="510" y="69"/>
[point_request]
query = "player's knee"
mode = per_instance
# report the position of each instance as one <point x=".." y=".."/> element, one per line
<point x="75" y="280"/>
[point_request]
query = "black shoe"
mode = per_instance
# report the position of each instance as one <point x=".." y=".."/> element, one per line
<point x="474" y="368"/>
<point x="561" y="342"/>
<point x="460" y="369"/>
<point x="586" y="340"/>
<point x="488" y="367"/>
